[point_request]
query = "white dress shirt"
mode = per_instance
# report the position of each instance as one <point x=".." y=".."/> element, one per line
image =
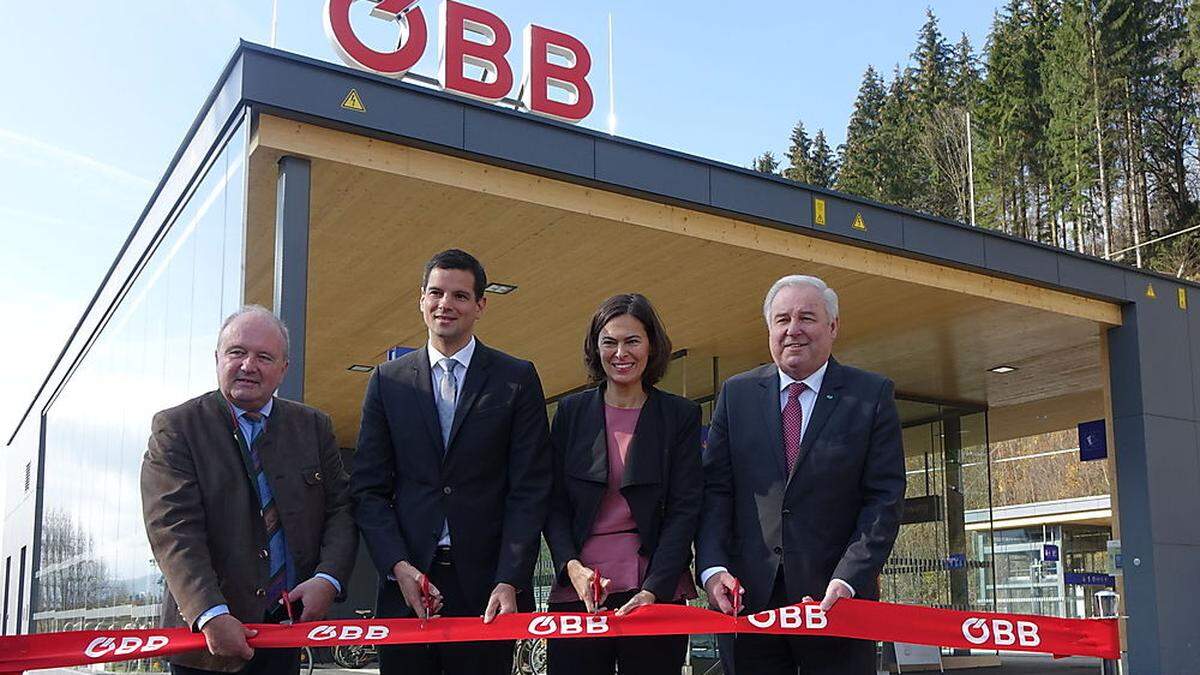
<point x="463" y="359"/>
<point x="808" y="401"/>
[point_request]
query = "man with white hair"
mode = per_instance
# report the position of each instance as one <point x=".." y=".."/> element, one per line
<point x="803" y="486"/>
<point x="246" y="503"/>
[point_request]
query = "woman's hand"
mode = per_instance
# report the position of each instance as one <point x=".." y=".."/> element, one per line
<point x="583" y="580"/>
<point x="640" y="599"/>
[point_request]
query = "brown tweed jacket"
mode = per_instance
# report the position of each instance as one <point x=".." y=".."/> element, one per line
<point x="202" y="514"/>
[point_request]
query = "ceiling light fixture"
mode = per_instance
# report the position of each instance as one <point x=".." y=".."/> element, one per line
<point x="1000" y="370"/>
<point x="360" y="368"/>
<point x="499" y="289"/>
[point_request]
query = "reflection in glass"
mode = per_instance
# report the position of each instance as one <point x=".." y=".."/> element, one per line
<point x="156" y="350"/>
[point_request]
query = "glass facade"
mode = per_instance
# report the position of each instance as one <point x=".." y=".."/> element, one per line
<point x="155" y="351"/>
<point x="934" y="562"/>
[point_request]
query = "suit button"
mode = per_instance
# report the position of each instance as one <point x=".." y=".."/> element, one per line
<point x="779" y="550"/>
<point x="264" y="554"/>
<point x="787" y="512"/>
<point x="447" y="490"/>
<point x="260" y="593"/>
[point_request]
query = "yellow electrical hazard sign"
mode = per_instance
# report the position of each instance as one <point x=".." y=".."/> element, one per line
<point x="819" y="211"/>
<point x="859" y="223"/>
<point x="1150" y="291"/>
<point x="1182" y="298"/>
<point x="353" y="102"/>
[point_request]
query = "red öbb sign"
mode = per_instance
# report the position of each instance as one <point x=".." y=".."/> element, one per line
<point x="567" y="75"/>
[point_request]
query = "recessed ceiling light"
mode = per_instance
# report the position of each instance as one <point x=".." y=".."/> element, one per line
<point x="360" y="368"/>
<point x="500" y="289"/>
<point x="1002" y="369"/>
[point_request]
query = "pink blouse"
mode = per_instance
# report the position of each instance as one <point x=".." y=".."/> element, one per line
<point x="612" y="548"/>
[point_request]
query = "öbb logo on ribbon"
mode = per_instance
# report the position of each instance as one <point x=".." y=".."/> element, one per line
<point x="325" y="632"/>
<point x="792" y="616"/>
<point x="545" y="626"/>
<point x="553" y="61"/>
<point x="978" y="631"/>
<point x="104" y="645"/>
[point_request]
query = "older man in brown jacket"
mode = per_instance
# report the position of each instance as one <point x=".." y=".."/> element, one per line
<point x="245" y="497"/>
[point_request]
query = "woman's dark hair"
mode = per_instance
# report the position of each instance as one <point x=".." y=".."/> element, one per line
<point x="639" y="307"/>
<point x="454" y="259"/>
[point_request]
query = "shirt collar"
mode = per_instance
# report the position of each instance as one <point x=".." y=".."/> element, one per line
<point x="463" y="355"/>
<point x="813" y="382"/>
<point x="265" y="411"/>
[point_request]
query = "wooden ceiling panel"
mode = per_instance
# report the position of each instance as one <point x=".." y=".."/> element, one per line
<point x="372" y="231"/>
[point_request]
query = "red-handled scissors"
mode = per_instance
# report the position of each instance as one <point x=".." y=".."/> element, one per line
<point x="287" y="603"/>
<point x="737" y="597"/>
<point x="426" y="601"/>
<point x="596" y="588"/>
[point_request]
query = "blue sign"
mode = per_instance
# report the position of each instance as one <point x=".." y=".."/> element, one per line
<point x="1049" y="553"/>
<point x="397" y="351"/>
<point x="956" y="561"/>
<point x="1089" y="579"/>
<point x="1093" y="443"/>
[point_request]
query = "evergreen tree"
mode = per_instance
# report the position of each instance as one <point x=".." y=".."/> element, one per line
<point x="799" y="156"/>
<point x="822" y="162"/>
<point x="765" y="163"/>
<point x="861" y="156"/>
<point x="931" y="74"/>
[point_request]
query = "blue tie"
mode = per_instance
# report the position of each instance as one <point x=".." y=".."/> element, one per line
<point x="277" y="551"/>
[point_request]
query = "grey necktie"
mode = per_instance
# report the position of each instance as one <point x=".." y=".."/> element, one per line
<point x="447" y="395"/>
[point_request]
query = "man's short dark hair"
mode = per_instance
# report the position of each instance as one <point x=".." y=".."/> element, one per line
<point x="638" y="306"/>
<point x="455" y="259"/>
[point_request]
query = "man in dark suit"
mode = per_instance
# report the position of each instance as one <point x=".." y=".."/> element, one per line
<point x="245" y="496"/>
<point x="804" y="484"/>
<point x="452" y="476"/>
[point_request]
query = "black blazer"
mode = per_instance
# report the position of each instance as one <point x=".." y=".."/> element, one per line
<point x="491" y="484"/>
<point x="836" y="516"/>
<point x="663" y="482"/>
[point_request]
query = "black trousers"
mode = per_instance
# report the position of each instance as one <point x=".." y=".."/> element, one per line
<point x="806" y="655"/>
<point x="265" y="662"/>
<point x="451" y="658"/>
<point x="654" y="655"/>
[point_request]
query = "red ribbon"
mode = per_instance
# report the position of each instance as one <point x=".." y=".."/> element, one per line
<point x="850" y="618"/>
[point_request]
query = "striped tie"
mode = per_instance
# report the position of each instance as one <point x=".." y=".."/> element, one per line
<point x="276" y="541"/>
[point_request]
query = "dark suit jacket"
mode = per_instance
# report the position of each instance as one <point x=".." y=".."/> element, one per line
<point x="836" y="516"/>
<point x="663" y="482"/>
<point x="202" y="510"/>
<point x="492" y="483"/>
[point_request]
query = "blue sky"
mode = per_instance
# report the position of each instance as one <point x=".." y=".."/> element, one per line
<point x="99" y="95"/>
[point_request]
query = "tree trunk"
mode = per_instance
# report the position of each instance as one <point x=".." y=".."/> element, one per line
<point x="1095" y="68"/>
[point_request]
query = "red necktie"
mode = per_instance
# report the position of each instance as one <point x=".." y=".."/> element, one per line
<point x="793" y="423"/>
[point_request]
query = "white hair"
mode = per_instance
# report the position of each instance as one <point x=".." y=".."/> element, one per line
<point x="258" y="310"/>
<point x="827" y="293"/>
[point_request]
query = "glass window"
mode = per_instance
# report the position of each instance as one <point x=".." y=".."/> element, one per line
<point x="155" y="351"/>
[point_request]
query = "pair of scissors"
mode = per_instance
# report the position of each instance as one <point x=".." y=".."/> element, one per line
<point x="287" y="604"/>
<point x="597" y="589"/>
<point x="426" y="601"/>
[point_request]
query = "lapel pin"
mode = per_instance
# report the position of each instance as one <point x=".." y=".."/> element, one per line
<point x="829" y="396"/>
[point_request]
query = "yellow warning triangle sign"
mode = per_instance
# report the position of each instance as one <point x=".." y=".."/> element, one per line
<point x="1150" y="291"/>
<point x="353" y="102"/>
<point x="859" y="223"/>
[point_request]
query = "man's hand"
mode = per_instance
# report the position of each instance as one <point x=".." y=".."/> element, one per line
<point x="836" y="590"/>
<point x="502" y="601"/>
<point x="410" y="579"/>
<point x="640" y="599"/>
<point x="316" y="595"/>
<point x="226" y="636"/>
<point x="720" y="588"/>
<point x="583" y="580"/>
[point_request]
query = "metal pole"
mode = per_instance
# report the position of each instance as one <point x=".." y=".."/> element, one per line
<point x="1106" y="605"/>
<point x="612" y="103"/>
<point x="970" y="169"/>
<point x="274" y="19"/>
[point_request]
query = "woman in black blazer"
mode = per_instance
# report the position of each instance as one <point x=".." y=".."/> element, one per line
<point x="627" y="491"/>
